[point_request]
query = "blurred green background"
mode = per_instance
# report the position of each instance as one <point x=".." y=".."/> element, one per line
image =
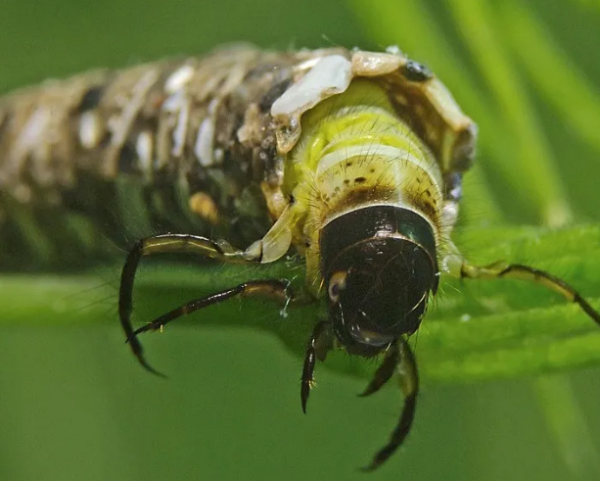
<point x="75" y="406"/>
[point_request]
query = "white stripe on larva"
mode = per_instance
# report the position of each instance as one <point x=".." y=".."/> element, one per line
<point x="368" y="151"/>
<point x="178" y="104"/>
<point x="180" y="129"/>
<point x="203" y="149"/>
<point x="204" y="142"/>
<point x="90" y="129"/>
<point x="143" y="149"/>
<point x="179" y="79"/>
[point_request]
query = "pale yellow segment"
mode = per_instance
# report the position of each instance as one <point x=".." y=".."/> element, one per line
<point x="356" y="152"/>
<point x="361" y="116"/>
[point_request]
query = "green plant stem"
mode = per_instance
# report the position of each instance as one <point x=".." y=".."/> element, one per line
<point x="533" y="165"/>
<point x="556" y="77"/>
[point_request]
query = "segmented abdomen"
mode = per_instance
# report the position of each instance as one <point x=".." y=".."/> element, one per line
<point x="170" y="146"/>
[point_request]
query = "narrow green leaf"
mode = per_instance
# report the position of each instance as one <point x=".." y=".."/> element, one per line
<point x="475" y="330"/>
<point x="533" y="163"/>
<point x="562" y="83"/>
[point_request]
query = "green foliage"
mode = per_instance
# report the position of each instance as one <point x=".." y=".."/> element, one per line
<point x="475" y="330"/>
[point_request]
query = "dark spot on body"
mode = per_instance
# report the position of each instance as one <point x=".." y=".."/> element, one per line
<point x="425" y="205"/>
<point x="360" y="180"/>
<point x="464" y="149"/>
<point x="105" y="141"/>
<point x="273" y="94"/>
<point x="91" y="99"/>
<point x="415" y="72"/>
<point x="127" y="159"/>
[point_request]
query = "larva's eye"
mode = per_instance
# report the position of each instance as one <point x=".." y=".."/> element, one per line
<point x="337" y="283"/>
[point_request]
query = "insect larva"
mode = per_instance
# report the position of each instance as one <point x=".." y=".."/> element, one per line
<point x="353" y="159"/>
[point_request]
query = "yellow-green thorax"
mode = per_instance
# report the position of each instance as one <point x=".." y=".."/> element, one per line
<point x="355" y="152"/>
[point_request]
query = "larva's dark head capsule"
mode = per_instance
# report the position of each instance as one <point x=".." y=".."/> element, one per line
<point x="379" y="267"/>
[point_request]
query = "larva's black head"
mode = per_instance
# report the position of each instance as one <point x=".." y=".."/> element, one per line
<point x="379" y="266"/>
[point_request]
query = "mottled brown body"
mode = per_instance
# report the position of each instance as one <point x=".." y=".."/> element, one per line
<point x="190" y="140"/>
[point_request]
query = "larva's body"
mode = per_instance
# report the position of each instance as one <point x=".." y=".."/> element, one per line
<point x="352" y="159"/>
<point x="181" y="135"/>
<point x="193" y="142"/>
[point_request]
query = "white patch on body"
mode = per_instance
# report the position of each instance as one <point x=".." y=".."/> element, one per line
<point x="143" y="149"/>
<point x="180" y="130"/>
<point x="90" y="130"/>
<point x="179" y="79"/>
<point x="203" y="149"/>
<point x="330" y="75"/>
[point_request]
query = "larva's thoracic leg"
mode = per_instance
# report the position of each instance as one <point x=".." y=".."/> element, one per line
<point x="189" y="244"/>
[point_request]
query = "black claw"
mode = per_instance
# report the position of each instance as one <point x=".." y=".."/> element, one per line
<point x="367" y="392"/>
<point x="310" y="359"/>
<point x="304" y="392"/>
<point x="137" y="349"/>
<point x="149" y="368"/>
